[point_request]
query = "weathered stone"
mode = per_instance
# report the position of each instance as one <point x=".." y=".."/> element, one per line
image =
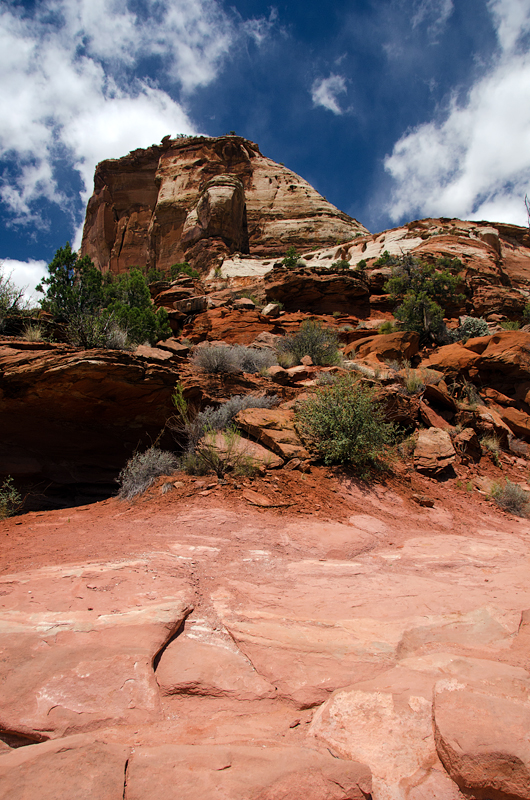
<point x="517" y="421"/>
<point x="467" y="443"/>
<point x="271" y="310"/>
<point x="451" y="358"/>
<point x="273" y="427"/>
<point x="236" y="771"/>
<point x="244" y="304"/>
<point x="154" y="353"/>
<point x="318" y="290"/>
<point x="482" y="740"/>
<point x="200" y="199"/>
<point x="434" y="451"/>
<point x="390" y="346"/>
<point x="431" y="418"/>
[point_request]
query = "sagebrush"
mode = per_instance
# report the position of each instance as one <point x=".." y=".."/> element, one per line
<point x="219" y="359"/>
<point x="314" y="340"/>
<point x="10" y="499"/>
<point x="143" y="468"/>
<point x="512" y="498"/>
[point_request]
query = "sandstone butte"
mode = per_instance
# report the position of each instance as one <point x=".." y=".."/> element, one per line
<point x="297" y="635"/>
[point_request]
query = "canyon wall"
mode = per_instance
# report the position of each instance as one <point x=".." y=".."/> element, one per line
<point x="200" y="199"/>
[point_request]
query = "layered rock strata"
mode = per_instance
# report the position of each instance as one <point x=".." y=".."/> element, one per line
<point x="201" y="199"/>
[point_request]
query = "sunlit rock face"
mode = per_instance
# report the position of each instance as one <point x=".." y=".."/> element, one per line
<point x="201" y="199"/>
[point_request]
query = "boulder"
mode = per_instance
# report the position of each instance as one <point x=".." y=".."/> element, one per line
<point x="244" y="304"/>
<point x="239" y="450"/>
<point x="385" y="347"/>
<point x="488" y="300"/>
<point x="482" y="740"/>
<point x="508" y="353"/>
<point x="518" y="421"/>
<point x="451" y="359"/>
<point x="271" y="310"/>
<point x="274" y="428"/>
<point x="434" y="451"/>
<point x="467" y="444"/>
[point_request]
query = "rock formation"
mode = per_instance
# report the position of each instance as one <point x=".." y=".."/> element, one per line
<point x="200" y="199"/>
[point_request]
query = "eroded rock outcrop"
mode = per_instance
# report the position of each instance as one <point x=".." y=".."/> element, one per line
<point x="201" y="199"/>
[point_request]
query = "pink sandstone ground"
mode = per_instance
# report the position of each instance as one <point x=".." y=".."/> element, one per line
<point x="344" y="642"/>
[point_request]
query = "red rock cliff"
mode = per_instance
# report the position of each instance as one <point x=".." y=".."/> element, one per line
<point x="199" y="199"/>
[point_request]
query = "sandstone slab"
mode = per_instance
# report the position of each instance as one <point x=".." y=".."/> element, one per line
<point x="434" y="451"/>
<point x="275" y="429"/>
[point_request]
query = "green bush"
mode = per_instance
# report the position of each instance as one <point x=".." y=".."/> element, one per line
<point x="424" y="293"/>
<point x="512" y="498"/>
<point x="510" y="325"/>
<point x="314" y="340"/>
<point x="344" y="424"/>
<point x="386" y="260"/>
<point x="361" y="265"/>
<point x="142" y="469"/>
<point x="387" y="327"/>
<point x="91" y="304"/>
<point x="10" y="499"/>
<point x="342" y="263"/>
<point x="292" y="257"/>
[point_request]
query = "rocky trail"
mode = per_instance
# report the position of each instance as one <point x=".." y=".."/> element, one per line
<point x="192" y="644"/>
<point x="298" y="634"/>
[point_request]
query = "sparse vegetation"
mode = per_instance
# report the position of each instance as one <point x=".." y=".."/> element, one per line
<point x="219" y="359"/>
<point x="220" y="453"/>
<point x="33" y="332"/>
<point x="492" y="446"/>
<point x="142" y="469"/>
<point x="413" y="380"/>
<point x="386" y="260"/>
<point x="387" y="327"/>
<point x="10" y="499"/>
<point x="10" y="297"/>
<point x="342" y="263"/>
<point x="512" y="498"/>
<point x="469" y="328"/>
<point x="423" y="293"/>
<point x="91" y="304"/>
<point x="361" y="265"/>
<point x="292" y="257"/>
<point x="314" y="340"/>
<point x="510" y="325"/>
<point x="344" y="424"/>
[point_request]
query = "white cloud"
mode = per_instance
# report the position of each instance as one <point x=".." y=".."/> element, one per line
<point x="324" y="92"/>
<point x="475" y="162"/>
<point x="25" y="275"/>
<point x="433" y="13"/>
<point x="73" y="91"/>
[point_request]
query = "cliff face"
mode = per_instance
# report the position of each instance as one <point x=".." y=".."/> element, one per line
<point x="200" y="199"/>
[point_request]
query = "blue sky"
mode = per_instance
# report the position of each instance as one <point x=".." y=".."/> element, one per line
<point x="392" y="109"/>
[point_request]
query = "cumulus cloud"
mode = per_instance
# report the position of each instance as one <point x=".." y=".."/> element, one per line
<point x="26" y="275"/>
<point x="474" y="162"/>
<point x="75" y="86"/>
<point x="324" y="92"/>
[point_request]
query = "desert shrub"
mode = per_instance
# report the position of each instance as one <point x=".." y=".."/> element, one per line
<point x="222" y="359"/>
<point x="215" y="360"/>
<point x="252" y="359"/>
<point x="510" y="325"/>
<point x="75" y="292"/>
<point x="190" y="425"/>
<point x="314" y="340"/>
<point x="361" y="265"/>
<point x="142" y="469"/>
<point x="526" y="314"/>
<point x="492" y="446"/>
<point x="33" y="332"/>
<point x="423" y="293"/>
<point x="117" y="338"/>
<point x="512" y="498"/>
<point x="183" y="269"/>
<point x="342" y="263"/>
<point x="386" y="260"/>
<point x="326" y="378"/>
<point x="292" y="257"/>
<point x="413" y="380"/>
<point x="387" y="327"/>
<point x="220" y="453"/>
<point x="10" y="297"/>
<point x="451" y="264"/>
<point x="10" y="499"/>
<point x="469" y="328"/>
<point x="344" y="424"/>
